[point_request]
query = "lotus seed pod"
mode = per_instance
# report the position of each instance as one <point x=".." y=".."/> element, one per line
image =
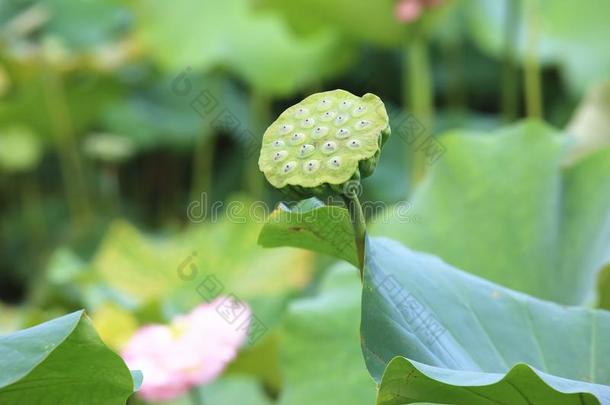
<point x="326" y="140"/>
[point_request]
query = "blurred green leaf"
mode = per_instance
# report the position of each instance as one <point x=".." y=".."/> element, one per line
<point x="83" y="25"/>
<point x="502" y="207"/>
<point x="235" y="390"/>
<point x="320" y="352"/>
<point x="29" y="100"/>
<point x="114" y="324"/>
<point x="62" y="360"/>
<point x="11" y="318"/>
<point x="261" y="361"/>
<point x="174" y="269"/>
<point x="361" y="20"/>
<point x="151" y="118"/>
<point x="241" y="390"/>
<point x="448" y="336"/>
<point x="256" y="45"/>
<point x="108" y="147"/>
<point x="20" y="149"/>
<point x="563" y="29"/>
<point x="146" y="269"/>
<point x="590" y="125"/>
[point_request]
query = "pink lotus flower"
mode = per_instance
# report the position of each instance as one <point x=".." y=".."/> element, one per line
<point x="411" y="10"/>
<point x="193" y="350"/>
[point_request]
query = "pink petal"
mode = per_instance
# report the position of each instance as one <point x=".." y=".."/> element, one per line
<point x="194" y="351"/>
<point x="408" y="10"/>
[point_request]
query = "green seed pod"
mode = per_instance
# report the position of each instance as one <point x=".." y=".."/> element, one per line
<point x="321" y="143"/>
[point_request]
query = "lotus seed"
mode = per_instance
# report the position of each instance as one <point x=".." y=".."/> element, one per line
<point x="319" y="132"/>
<point x="311" y="166"/>
<point x="324" y="104"/>
<point x="301" y="112"/>
<point x="329" y="147"/>
<point x="278" y="144"/>
<point x="335" y="162"/>
<point x="284" y="129"/>
<point x="279" y="156"/>
<point x="359" y="110"/>
<point x="353" y="144"/>
<point x="342" y="133"/>
<point x="308" y="122"/>
<point x="341" y="119"/>
<point x="297" y="138"/>
<point x="288" y="167"/>
<point x="345" y="104"/>
<point x="327" y="116"/>
<point x="362" y="124"/>
<point x="306" y="150"/>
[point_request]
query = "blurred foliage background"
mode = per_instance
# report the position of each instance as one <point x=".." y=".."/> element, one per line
<point x="124" y="124"/>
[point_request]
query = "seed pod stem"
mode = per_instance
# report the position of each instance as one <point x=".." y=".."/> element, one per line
<point x="359" y="224"/>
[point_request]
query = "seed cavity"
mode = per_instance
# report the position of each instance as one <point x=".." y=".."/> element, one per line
<point x="297" y="138"/>
<point x="362" y="124"/>
<point x="329" y="147"/>
<point x="308" y="122"/>
<point x="278" y="144"/>
<point x="341" y="119"/>
<point x="358" y="111"/>
<point x="342" y="133"/>
<point x="285" y="128"/>
<point x="324" y="104"/>
<point x="354" y="144"/>
<point x="319" y="132"/>
<point x="301" y="112"/>
<point x="311" y="166"/>
<point x="334" y="162"/>
<point x="288" y="167"/>
<point x="280" y="155"/>
<point x="306" y="150"/>
<point x="327" y="116"/>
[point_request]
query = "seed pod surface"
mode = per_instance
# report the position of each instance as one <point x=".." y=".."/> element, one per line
<point x="325" y="140"/>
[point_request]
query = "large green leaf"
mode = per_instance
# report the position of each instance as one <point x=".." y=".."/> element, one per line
<point x="320" y="352"/>
<point x="563" y="29"/>
<point x="469" y="341"/>
<point x="311" y="225"/>
<point x="208" y="34"/>
<point x="501" y="206"/>
<point x="62" y="361"/>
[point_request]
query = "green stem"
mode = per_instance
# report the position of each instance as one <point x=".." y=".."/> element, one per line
<point x="456" y="88"/>
<point x="203" y="165"/>
<point x="509" y="74"/>
<point x="533" y="86"/>
<point x="359" y="224"/>
<point x="110" y="188"/>
<point x="418" y="94"/>
<point x="69" y="159"/>
<point x="33" y="213"/>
